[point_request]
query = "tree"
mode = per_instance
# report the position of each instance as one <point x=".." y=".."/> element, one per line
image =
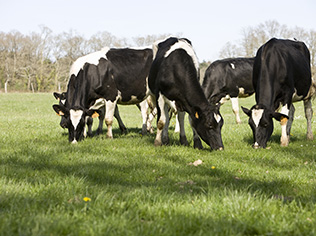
<point x="144" y="41"/>
<point x="254" y="37"/>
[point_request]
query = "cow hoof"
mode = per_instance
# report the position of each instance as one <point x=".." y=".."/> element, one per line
<point x="165" y="141"/>
<point x="98" y="132"/>
<point x="285" y="141"/>
<point x="123" y="131"/>
<point x="144" y="130"/>
<point x="184" y="141"/>
<point x="157" y="143"/>
<point x="198" y="144"/>
<point x="151" y="130"/>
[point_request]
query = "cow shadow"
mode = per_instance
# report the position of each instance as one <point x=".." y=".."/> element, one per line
<point x="117" y="133"/>
<point x="275" y="139"/>
<point x="191" y="180"/>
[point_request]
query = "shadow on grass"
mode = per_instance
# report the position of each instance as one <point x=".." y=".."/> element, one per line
<point x="275" y="138"/>
<point x="132" y="175"/>
<point x="167" y="179"/>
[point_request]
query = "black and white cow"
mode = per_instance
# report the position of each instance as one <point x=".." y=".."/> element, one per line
<point x="110" y="77"/>
<point x="69" y="95"/>
<point x="61" y="97"/>
<point x="281" y="75"/>
<point x="173" y="81"/>
<point x="229" y="78"/>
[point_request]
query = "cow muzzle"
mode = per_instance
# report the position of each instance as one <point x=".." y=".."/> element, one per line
<point x="255" y="145"/>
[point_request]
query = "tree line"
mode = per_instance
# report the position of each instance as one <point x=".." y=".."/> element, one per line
<point x="40" y="61"/>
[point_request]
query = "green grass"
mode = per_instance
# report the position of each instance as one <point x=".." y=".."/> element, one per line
<point x="138" y="189"/>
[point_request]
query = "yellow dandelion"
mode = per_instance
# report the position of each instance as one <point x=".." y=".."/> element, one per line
<point x="87" y="199"/>
<point x="213" y="167"/>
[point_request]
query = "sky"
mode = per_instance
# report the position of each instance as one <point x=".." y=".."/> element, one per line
<point x="208" y="24"/>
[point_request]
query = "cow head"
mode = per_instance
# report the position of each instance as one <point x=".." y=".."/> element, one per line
<point x="75" y="119"/>
<point x="261" y="123"/>
<point x="208" y="123"/>
<point x="61" y="97"/>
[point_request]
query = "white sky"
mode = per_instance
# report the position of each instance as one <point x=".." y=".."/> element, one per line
<point x="208" y="24"/>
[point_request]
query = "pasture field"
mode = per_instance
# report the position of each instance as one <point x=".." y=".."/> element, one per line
<point x="134" y="188"/>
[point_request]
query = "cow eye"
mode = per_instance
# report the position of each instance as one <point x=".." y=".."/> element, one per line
<point x="213" y="125"/>
<point x="265" y="125"/>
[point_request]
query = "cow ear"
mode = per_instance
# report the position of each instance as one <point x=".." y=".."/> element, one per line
<point x="279" y="117"/>
<point x="246" y="111"/>
<point x="93" y="113"/>
<point x="61" y="110"/>
<point x="57" y="95"/>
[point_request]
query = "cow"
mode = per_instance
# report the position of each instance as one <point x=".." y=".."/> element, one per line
<point x="229" y="78"/>
<point x="110" y="77"/>
<point x="174" y="81"/>
<point x="61" y="97"/>
<point x="281" y="75"/>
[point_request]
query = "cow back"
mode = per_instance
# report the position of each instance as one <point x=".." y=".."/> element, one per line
<point x="130" y="69"/>
<point x="281" y="68"/>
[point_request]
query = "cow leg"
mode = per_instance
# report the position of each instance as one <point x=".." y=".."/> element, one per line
<point x="165" y="135"/>
<point x="290" y="121"/>
<point x="178" y="127"/>
<point x="151" y="116"/>
<point x="89" y="122"/>
<point x="119" y="121"/>
<point x="183" y="138"/>
<point x="284" y="137"/>
<point x="143" y="109"/>
<point x="109" y="113"/>
<point x="161" y="121"/>
<point x="101" y="120"/>
<point x="235" y="108"/>
<point x="196" y="138"/>
<point x="283" y="122"/>
<point x="309" y="115"/>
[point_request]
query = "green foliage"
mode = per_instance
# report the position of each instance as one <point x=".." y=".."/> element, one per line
<point x="138" y="189"/>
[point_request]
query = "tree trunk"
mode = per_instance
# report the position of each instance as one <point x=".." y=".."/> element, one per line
<point x="32" y="87"/>
<point x="6" y="86"/>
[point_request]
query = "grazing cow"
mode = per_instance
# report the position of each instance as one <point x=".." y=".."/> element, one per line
<point x="110" y="77"/>
<point x="281" y="75"/>
<point x="173" y="81"/>
<point x="229" y="78"/>
<point x="61" y="97"/>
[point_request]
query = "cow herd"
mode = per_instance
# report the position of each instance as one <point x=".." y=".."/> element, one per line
<point x="166" y="77"/>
